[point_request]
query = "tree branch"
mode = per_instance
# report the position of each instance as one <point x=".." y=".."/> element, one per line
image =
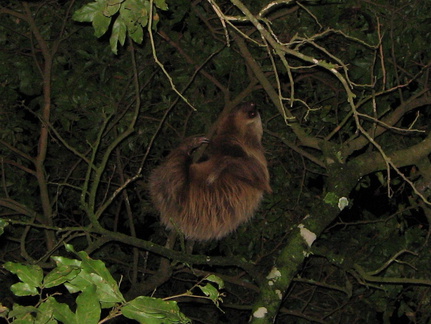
<point x="419" y="100"/>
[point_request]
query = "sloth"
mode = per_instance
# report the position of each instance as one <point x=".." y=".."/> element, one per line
<point x="209" y="199"/>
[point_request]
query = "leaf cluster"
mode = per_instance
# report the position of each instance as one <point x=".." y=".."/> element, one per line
<point x="95" y="289"/>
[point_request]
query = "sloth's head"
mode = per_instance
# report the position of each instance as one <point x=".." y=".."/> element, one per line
<point x="244" y="122"/>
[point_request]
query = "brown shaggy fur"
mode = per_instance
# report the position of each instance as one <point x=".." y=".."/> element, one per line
<point x="210" y="199"/>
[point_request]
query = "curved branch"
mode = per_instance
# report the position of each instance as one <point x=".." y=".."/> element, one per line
<point x="250" y="268"/>
<point x="18" y="207"/>
<point x="419" y="100"/>
<point x="397" y="281"/>
<point x="374" y="161"/>
<point x="17" y="151"/>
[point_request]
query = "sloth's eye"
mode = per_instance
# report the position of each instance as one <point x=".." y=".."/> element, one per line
<point x="252" y="114"/>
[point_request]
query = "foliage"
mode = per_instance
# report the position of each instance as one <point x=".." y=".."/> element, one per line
<point x="96" y="289"/>
<point x="131" y="16"/>
<point x="86" y="116"/>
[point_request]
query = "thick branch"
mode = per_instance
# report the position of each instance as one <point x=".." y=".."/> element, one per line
<point x="374" y="161"/>
<point x="390" y="120"/>
<point x="291" y="257"/>
<point x="39" y="160"/>
<point x="388" y="280"/>
<point x="179" y="256"/>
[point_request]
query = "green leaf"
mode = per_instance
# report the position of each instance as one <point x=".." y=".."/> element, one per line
<point x="79" y="283"/>
<point x="88" y="310"/>
<point x="210" y="291"/>
<point x="87" y="12"/>
<point x="108" y="293"/>
<point x="59" y="260"/>
<point x="112" y="7"/>
<point x="118" y="34"/>
<point x="61" y="311"/>
<point x="119" y="29"/>
<point x="217" y="280"/>
<point x="29" y="274"/>
<point x="135" y="13"/>
<point x="69" y="248"/>
<point x="60" y="275"/>
<point x="96" y="266"/>
<point x="92" y="272"/>
<point x="101" y="24"/>
<point x="161" y="4"/>
<point x="137" y="35"/>
<point x="24" y="289"/>
<point x="151" y="310"/>
<point x="21" y="312"/>
<point x="45" y="313"/>
<point x="99" y="14"/>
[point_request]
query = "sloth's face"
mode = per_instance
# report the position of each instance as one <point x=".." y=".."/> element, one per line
<point x="250" y="118"/>
<point x="243" y="122"/>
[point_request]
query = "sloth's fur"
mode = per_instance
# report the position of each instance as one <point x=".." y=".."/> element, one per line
<point x="210" y="199"/>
